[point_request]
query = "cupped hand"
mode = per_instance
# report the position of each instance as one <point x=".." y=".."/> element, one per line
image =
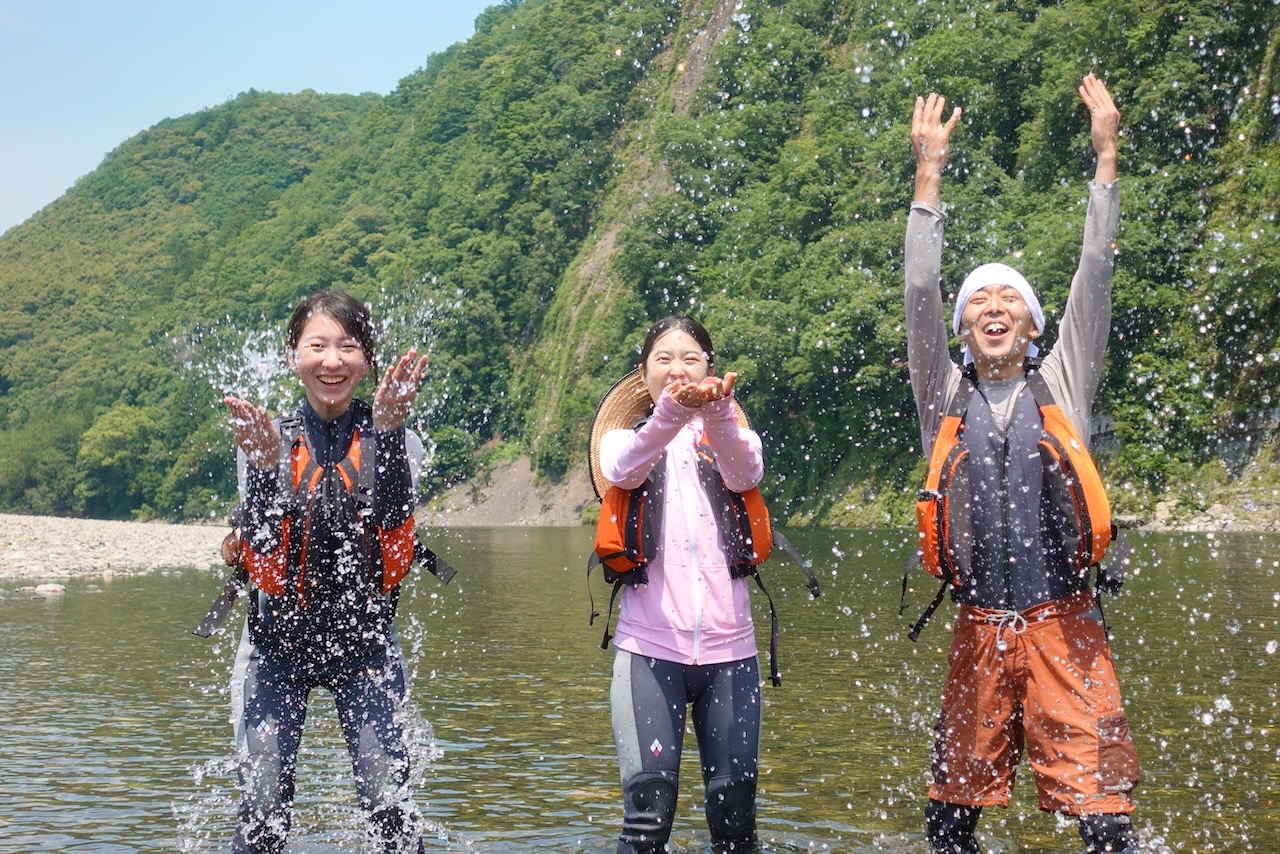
<point x="255" y="433"/>
<point x="697" y="394"/>
<point x="397" y="391"/>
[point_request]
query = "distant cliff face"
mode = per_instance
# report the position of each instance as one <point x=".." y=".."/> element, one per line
<point x="530" y="200"/>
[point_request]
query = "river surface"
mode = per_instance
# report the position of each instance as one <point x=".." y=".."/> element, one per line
<point x="116" y="736"/>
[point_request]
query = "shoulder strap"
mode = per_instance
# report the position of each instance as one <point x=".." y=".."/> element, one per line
<point x="364" y="477"/>
<point x="1036" y="382"/>
<point x="964" y="393"/>
<point x="290" y="431"/>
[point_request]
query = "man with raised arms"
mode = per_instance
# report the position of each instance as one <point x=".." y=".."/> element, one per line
<point x="1005" y="518"/>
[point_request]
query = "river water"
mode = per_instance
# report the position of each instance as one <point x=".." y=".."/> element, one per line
<point x="116" y="736"/>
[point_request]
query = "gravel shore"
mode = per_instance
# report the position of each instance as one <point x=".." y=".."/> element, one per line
<point x="37" y="549"/>
<point x="41" y="548"/>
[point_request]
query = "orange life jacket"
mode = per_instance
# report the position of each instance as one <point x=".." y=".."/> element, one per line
<point x="390" y="553"/>
<point x="1075" y="487"/>
<point x="630" y="522"/>
<point x="629" y="529"/>
<point x="943" y="520"/>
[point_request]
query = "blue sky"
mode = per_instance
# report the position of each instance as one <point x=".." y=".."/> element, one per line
<point x="82" y="76"/>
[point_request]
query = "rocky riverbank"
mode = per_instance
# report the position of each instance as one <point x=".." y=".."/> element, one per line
<point x="36" y="549"/>
<point x="42" y="548"/>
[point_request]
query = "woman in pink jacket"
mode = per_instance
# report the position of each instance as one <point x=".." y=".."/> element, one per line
<point x="685" y="638"/>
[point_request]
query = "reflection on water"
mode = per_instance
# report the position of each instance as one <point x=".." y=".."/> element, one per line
<point x="117" y="739"/>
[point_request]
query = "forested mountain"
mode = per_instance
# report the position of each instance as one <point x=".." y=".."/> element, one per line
<point x="529" y="200"/>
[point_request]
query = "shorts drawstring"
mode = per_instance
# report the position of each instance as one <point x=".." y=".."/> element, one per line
<point x="1002" y="620"/>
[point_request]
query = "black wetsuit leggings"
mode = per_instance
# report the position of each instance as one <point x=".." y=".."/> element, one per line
<point x="269" y="731"/>
<point x="649" y="700"/>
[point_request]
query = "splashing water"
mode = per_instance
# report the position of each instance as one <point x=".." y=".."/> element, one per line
<point x="325" y="816"/>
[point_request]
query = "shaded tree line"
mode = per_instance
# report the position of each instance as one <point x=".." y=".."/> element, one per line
<point x="527" y="200"/>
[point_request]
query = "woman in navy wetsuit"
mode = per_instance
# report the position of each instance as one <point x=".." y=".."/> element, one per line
<point x="327" y="496"/>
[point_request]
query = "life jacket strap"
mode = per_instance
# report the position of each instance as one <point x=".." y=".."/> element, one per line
<point x="617" y="581"/>
<point x="735" y="523"/>
<point x="914" y="634"/>
<point x="775" y="675"/>
<point x="225" y="601"/>
<point x="291" y="430"/>
<point x="432" y="562"/>
<point x="805" y="564"/>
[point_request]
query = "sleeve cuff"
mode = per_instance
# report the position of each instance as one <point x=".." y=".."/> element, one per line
<point x="927" y="208"/>
<point x="719" y="410"/>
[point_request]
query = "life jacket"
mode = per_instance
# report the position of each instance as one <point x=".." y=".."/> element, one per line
<point x="944" y="506"/>
<point x="270" y="572"/>
<point x="389" y="554"/>
<point x="629" y="529"/>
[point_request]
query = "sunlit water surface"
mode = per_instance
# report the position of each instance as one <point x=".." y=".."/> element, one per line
<point x="116" y="736"/>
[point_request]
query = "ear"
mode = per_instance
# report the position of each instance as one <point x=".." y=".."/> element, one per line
<point x="1033" y="333"/>
<point x="291" y="358"/>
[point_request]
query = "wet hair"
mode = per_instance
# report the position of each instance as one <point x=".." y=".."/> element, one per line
<point x="686" y="324"/>
<point x="347" y="311"/>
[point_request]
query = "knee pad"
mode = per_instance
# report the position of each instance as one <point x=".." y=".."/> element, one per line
<point x="649" y="807"/>
<point x="949" y="827"/>
<point x="731" y="813"/>
<point x="1109" y="832"/>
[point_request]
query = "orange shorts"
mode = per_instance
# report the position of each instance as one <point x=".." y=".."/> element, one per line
<point x="1042" y="680"/>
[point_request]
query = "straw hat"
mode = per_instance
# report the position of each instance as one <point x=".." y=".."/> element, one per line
<point x="622" y="408"/>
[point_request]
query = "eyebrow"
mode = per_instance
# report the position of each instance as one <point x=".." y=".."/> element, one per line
<point x="341" y="339"/>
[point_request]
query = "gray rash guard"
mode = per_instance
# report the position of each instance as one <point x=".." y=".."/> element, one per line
<point x="1072" y="370"/>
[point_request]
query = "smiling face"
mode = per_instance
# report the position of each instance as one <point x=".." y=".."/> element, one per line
<point x="676" y="355"/>
<point x="998" y="327"/>
<point x="330" y="363"/>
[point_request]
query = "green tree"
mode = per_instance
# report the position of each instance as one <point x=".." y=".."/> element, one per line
<point x="119" y="462"/>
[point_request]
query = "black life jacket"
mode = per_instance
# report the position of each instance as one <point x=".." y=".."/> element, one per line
<point x="343" y="493"/>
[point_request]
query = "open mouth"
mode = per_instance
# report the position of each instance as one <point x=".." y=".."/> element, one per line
<point x="995" y="330"/>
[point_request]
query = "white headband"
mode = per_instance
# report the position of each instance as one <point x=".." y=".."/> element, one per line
<point x="997" y="274"/>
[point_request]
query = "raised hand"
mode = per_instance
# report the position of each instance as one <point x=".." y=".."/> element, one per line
<point x="397" y="391"/>
<point x="256" y="435"/>
<point x="930" y="144"/>
<point x="1104" y="126"/>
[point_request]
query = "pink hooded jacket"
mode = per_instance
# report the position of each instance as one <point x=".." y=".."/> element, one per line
<point x="691" y="611"/>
